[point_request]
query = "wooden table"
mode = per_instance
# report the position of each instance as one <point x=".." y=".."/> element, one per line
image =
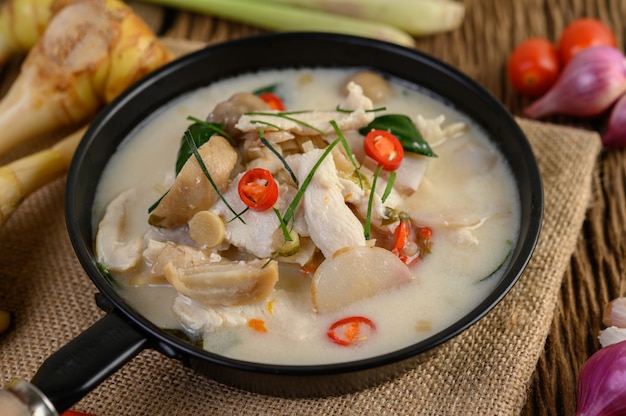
<point x="480" y="49"/>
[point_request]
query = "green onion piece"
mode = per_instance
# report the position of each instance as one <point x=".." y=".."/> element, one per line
<point x="370" y="202"/>
<point x="279" y="156"/>
<point x="510" y="243"/>
<point x="265" y="123"/>
<point x="373" y="110"/>
<point x="291" y="209"/>
<point x="346" y="147"/>
<point x="156" y="204"/>
<point x="194" y="150"/>
<point x="287" y="115"/>
<point x="389" y="187"/>
<point x="283" y="226"/>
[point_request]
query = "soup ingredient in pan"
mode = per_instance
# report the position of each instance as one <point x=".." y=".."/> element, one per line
<point x="589" y="84"/>
<point x="533" y="66"/>
<point x="584" y="33"/>
<point x="602" y="382"/>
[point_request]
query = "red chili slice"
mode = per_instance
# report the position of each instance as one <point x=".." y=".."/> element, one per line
<point x="419" y="238"/>
<point x="273" y="101"/>
<point x="258" y="189"/>
<point x="384" y="148"/>
<point x="350" y="331"/>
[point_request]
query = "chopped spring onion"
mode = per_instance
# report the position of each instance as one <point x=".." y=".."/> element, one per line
<point x="389" y="187"/>
<point x="370" y="202"/>
<point x="279" y="156"/>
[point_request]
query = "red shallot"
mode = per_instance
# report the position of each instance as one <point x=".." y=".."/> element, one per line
<point x="593" y="80"/>
<point x="615" y="135"/>
<point x="602" y="383"/>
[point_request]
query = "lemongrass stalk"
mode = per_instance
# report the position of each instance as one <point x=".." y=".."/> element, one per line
<point x="279" y="17"/>
<point x="416" y="17"/>
<point x="90" y="51"/>
<point x="22" y="177"/>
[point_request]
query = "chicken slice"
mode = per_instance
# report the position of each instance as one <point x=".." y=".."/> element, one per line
<point x="331" y="224"/>
<point x="256" y="232"/>
<point x="311" y="123"/>
<point x="434" y="134"/>
<point x="192" y="191"/>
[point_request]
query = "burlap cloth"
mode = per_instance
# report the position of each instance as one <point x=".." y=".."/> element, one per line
<point x="484" y="371"/>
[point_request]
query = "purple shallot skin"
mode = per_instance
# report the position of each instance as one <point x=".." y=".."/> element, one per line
<point x="593" y="80"/>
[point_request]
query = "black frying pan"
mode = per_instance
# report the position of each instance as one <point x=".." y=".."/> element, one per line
<point x="77" y="368"/>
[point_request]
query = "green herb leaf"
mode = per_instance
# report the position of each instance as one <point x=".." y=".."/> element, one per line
<point x="404" y="129"/>
<point x="267" y="88"/>
<point x="200" y="133"/>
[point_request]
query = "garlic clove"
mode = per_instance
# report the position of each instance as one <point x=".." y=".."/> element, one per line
<point x="592" y="81"/>
<point x="615" y="136"/>
<point x="612" y="335"/>
<point x="615" y="313"/>
<point x="602" y="383"/>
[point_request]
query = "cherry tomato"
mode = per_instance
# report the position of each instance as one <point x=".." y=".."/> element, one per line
<point x="350" y="331"/>
<point x="273" y="101"/>
<point x="584" y="33"/>
<point x="384" y="148"/>
<point x="75" y="413"/>
<point x="258" y="189"/>
<point x="533" y="66"/>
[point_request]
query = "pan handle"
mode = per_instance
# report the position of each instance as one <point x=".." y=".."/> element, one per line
<point x="77" y="368"/>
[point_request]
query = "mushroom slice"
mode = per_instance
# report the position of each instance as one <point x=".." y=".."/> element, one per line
<point x="356" y="274"/>
<point x="224" y="283"/>
<point x="374" y="85"/>
<point x="192" y="192"/>
<point x="228" y="112"/>
<point x="114" y="249"/>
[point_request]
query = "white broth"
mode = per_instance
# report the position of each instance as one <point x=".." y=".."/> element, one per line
<point x="467" y="199"/>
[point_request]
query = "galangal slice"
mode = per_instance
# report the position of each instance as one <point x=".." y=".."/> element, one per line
<point x="355" y="274"/>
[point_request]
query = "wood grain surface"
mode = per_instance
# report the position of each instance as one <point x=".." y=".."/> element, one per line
<point x="480" y="49"/>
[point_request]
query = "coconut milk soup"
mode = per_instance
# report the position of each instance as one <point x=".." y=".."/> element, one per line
<point x="308" y="234"/>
